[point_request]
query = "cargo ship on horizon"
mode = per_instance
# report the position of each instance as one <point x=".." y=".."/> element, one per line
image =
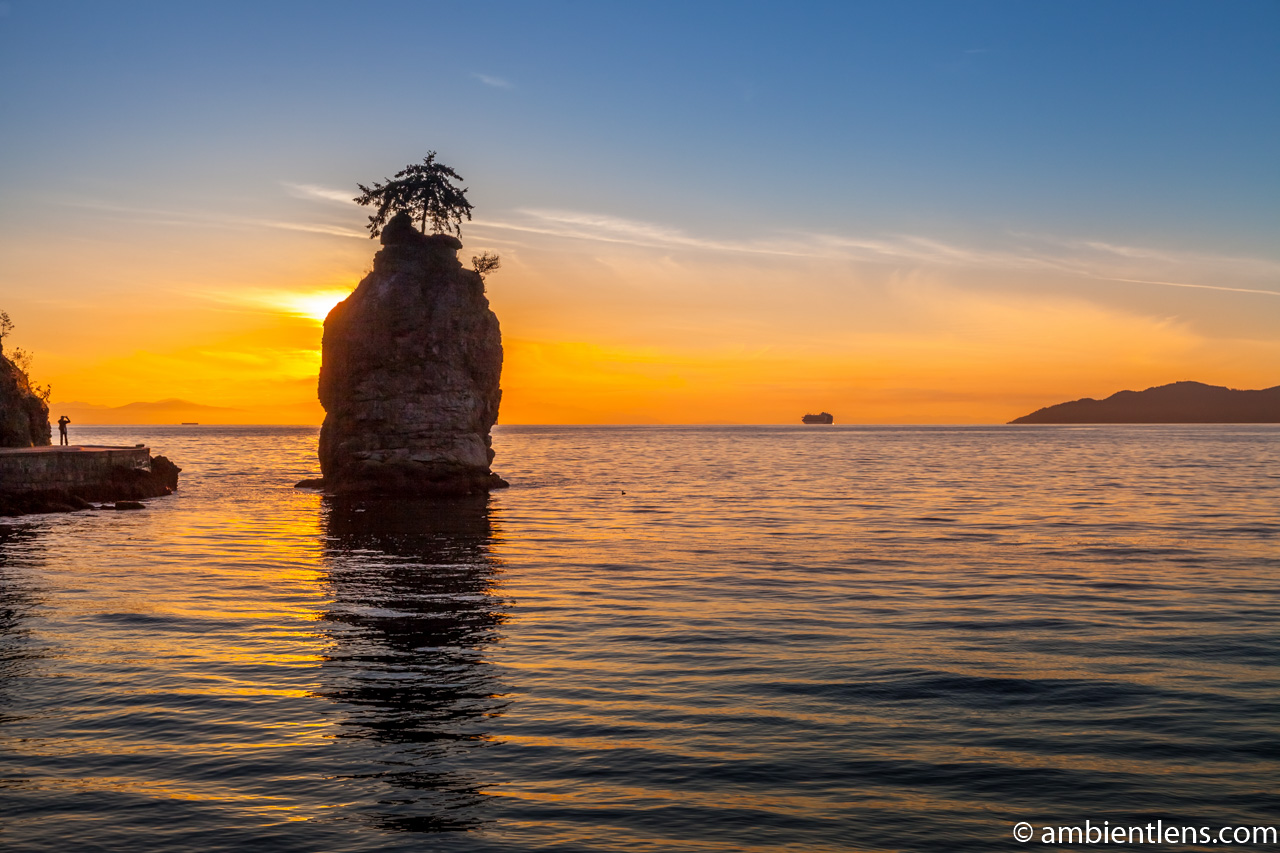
<point x="822" y="418"/>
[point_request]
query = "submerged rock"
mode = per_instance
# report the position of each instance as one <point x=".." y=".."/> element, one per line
<point x="409" y="374"/>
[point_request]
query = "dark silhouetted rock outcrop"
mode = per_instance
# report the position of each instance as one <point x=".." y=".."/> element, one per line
<point x="164" y="473"/>
<point x="409" y="377"/>
<point x="1178" y="403"/>
<point x="65" y="479"/>
<point x="24" y="417"/>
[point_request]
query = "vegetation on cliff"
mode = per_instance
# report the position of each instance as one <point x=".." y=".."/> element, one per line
<point x="24" y="406"/>
<point x="424" y="191"/>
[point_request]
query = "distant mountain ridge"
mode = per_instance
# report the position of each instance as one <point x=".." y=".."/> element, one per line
<point x="171" y="410"/>
<point x="155" y="406"/>
<point x="1176" y="403"/>
<point x="286" y="411"/>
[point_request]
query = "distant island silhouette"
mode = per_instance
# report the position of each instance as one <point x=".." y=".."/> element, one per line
<point x="171" y="410"/>
<point x="1176" y="403"/>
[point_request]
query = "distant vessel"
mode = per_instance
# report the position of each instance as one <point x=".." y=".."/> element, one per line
<point x="823" y="418"/>
<point x="190" y="423"/>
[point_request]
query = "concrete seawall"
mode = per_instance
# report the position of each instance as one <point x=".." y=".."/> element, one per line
<point x="66" y="479"/>
<point x="70" y="469"/>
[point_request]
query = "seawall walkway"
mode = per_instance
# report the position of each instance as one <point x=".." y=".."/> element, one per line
<point x="68" y="468"/>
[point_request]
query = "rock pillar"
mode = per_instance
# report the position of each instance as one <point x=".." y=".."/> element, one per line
<point x="409" y="374"/>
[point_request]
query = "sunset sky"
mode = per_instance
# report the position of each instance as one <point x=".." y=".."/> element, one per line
<point x="897" y="212"/>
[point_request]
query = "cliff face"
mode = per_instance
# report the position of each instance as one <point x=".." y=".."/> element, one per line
<point x="409" y="374"/>
<point x="24" y="417"/>
<point x="1178" y="403"/>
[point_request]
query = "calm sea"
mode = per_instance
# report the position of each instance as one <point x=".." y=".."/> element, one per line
<point x="659" y="639"/>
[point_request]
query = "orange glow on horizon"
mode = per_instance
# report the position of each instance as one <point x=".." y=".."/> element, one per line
<point x="633" y="335"/>
<point x="877" y="379"/>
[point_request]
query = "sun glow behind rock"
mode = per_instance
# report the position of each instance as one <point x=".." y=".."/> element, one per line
<point x="315" y="305"/>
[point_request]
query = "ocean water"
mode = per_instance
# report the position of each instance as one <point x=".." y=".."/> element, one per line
<point x="659" y="639"/>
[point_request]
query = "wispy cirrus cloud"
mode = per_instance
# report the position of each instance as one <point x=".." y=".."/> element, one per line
<point x="490" y="80"/>
<point x="331" y="230"/>
<point x="1146" y="265"/>
<point x="160" y="216"/>
<point x="911" y="248"/>
<point x="1091" y="259"/>
<point x="1246" y="265"/>
<point x="603" y="228"/>
<point x="318" y="192"/>
<point x="1087" y="259"/>
<point x="1195" y="286"/>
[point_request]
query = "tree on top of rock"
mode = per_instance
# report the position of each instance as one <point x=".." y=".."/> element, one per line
<point x="425" y="192"/>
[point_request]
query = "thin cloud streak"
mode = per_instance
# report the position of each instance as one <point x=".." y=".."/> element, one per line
<point x="907" y="248"/>
<point x="331" y="230"/>
<point x="179" y="217"/>
<point x="490" y="80"/>
<point x="610" y="229"/>
<point x="313" y="191"/>
<point x="1076" y="258"/>
<point x="1261" y="267"/>
<point x="917" y="249"/>
<point x="1197" y="286"/>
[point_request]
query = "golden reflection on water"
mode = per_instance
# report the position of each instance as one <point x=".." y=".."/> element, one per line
<point x="774" y="640"/>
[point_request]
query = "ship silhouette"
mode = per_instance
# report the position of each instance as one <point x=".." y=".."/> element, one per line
<point x="823" y="418"/>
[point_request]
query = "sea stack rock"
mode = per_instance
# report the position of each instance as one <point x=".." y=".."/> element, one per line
<point x="24" y="417"/>
<point x="409" y="374"/>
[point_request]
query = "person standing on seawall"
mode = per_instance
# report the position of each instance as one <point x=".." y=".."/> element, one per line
<point x="62" y="429"/>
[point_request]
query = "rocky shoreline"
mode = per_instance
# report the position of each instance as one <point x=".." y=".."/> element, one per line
<point x="113" y="487"/>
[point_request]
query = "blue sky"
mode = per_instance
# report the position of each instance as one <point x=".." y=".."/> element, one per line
<point x="1086" y="116"/>
<point x="990" y="135"/>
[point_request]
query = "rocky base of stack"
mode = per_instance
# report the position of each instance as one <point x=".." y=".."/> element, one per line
<point x="392" y="480"/>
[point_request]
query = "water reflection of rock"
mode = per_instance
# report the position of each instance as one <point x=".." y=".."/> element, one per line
<point x="414" y="608"/>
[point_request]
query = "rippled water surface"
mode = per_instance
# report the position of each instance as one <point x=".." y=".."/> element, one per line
<point x="660" y="639"/>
